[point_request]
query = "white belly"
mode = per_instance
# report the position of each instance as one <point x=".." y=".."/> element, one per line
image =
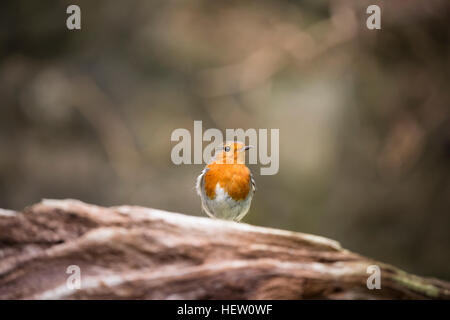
<point x="225" y="207"/>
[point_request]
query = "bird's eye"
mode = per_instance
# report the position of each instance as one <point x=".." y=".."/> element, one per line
<point x="227" y="148"/>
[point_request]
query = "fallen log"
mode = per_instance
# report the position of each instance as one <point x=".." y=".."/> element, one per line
<point x="130" y="252"/>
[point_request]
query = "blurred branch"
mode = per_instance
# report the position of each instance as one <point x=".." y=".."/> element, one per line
<point x="134" y="252"/>
<point x="116" y="138"/>
<point x="284" y="43"/>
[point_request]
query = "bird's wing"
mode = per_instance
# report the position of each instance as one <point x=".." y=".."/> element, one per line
<point x="201" y="191"/>
<point x="201" y="181"/>
<point x="253" y="183"/>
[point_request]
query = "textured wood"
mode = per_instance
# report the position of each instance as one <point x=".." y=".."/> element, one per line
<point x="139" y="253"/>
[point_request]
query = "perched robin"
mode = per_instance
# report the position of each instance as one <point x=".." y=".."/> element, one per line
<point x="226" y="185"/>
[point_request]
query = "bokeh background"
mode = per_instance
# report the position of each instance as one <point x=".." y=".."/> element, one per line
<point x="363" y="114"/>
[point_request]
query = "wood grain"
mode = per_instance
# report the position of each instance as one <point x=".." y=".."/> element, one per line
<point x="131" y="252"/>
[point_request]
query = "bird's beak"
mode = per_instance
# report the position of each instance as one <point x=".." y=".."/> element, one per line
<point x="247" y="147"/>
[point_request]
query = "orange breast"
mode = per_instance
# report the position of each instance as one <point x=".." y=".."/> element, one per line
<point x="233" y="178"/>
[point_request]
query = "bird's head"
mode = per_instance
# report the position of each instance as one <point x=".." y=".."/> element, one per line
<point x="231" y="153"/>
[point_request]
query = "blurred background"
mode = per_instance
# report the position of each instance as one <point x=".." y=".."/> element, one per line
<point x="364" y="115"/>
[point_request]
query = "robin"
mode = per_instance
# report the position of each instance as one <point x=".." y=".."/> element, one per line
<point x="226" y="185"/>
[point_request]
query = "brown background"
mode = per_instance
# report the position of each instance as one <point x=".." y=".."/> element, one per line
<point x="363" y="115"/>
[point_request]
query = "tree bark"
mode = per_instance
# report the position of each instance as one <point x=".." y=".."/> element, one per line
<point x="131" y="252"/>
